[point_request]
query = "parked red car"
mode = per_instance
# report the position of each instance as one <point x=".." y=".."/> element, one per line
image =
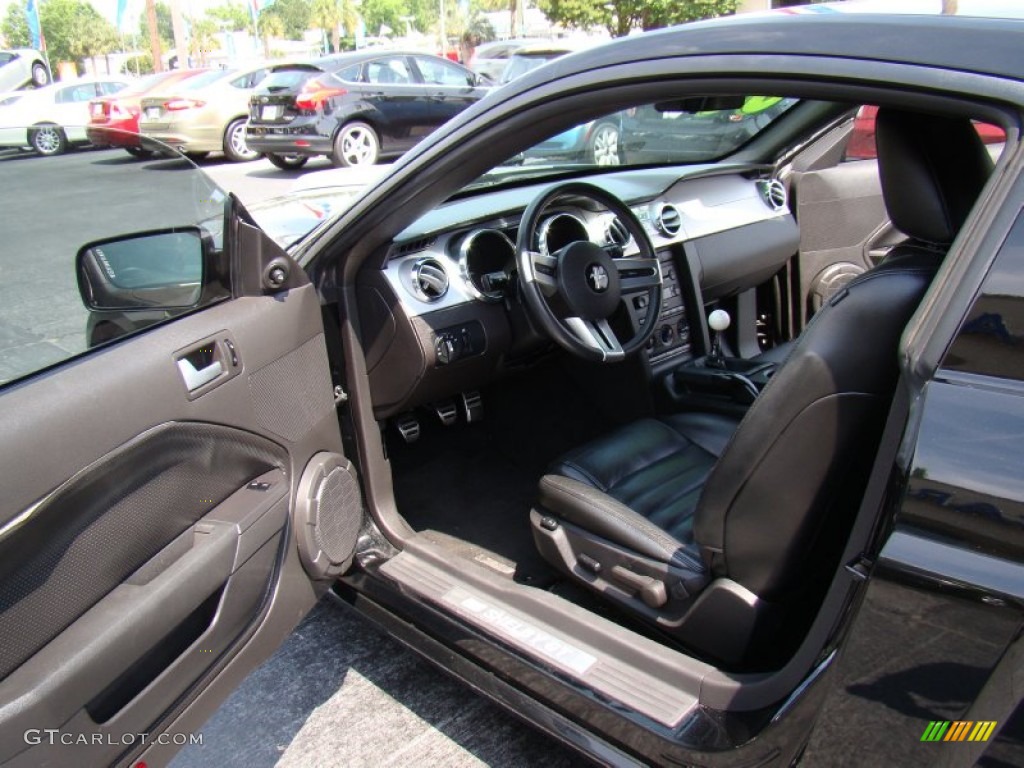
<point x="862" y="140"/>
<point x="114" y="120"/>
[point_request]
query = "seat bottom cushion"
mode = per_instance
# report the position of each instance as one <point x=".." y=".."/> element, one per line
<point x="655" y="467"/>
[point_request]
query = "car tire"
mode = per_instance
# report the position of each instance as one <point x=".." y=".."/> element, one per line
<point x="603" y="145"/>
<point x="355" y="145"/>
<point x="288" y="162"/>
<point x="235" y="148"/>
<point x="48" y="139"/>
<point x="139" y="152"/>
<point x="40" y="75"/>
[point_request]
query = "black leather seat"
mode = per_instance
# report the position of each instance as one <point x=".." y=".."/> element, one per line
<point x="726" y="535"/>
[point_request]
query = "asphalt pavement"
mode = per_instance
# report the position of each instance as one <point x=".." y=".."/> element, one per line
<point x="339" y="692"/>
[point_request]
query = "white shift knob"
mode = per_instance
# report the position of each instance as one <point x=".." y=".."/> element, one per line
<point x="719" y="320"/>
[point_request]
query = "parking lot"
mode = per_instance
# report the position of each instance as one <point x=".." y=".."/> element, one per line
<point x="339" y="692"/>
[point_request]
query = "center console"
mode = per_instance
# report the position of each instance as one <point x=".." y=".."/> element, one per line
<point x="671" y="337"/>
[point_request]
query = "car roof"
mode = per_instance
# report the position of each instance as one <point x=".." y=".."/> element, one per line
<point x="984" y="45"/>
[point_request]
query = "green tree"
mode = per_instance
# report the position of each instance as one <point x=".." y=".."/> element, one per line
<point x="620" y="17"/>
<point x="202" y="39"/>
<point x="14" y="27"/>
<point x="74" y="30"/>
<point x="330" y="15"/>
<point x="295" y="15"/>
<point x="231" y="17"/>
<point x="271" y="25"/>
<point x="164" y="26"/>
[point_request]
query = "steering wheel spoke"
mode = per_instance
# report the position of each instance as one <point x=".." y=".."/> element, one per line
<point x="544" y="272"/>
<point x="598" y="335"/>
<point x="637" y="274"/>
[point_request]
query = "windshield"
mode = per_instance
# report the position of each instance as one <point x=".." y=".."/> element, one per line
<point x="666" y="133"/>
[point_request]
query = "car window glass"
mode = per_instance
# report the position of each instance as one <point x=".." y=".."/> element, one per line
<point x="76" y="93"/>
<point x="349" y="74"/>
<point x="255" y="78"/>
<point x="203" y="80"/>
<point x="666" y="133"/>
<point x="43" y="316"/>
<point x="861" y="144"/>
<point x="109" y="88"/>
<point x="6" y="58"/>
<point x="438" y="72"/>
<point x="392" y="70"/>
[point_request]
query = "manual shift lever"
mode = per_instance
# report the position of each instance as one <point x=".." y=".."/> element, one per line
<point x="718" y="320"/>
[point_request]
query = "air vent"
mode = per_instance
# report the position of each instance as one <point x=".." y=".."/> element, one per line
<point x="773" y="193"/>
<point x="669" y="221"/>
<point x="429" y="279"/>
<point x="414" y="245"/>
<point x="616" y="233"/>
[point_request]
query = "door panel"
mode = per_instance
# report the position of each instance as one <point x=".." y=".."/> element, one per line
<point x="145" y="533"/>
<point x="842" y="221"/>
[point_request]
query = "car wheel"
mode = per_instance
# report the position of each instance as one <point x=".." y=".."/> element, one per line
<point x="235" y="147"/>
<point x="356" y="144"/>
<point x="48" y="139"/>
<point x="288" y="162"/>
<point x="603" y="147"/>
<point x="40" y="75"/>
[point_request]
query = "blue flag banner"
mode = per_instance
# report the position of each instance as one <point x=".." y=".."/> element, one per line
<point x="122" y="6"/>
<point x="34" y="30"/>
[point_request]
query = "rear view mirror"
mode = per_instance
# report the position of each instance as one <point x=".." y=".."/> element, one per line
<point x="146" y="270"/>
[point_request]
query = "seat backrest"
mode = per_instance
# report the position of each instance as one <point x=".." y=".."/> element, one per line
<point x="781" y="497"/>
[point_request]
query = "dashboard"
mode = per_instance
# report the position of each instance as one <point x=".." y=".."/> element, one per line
<point x="439" y="312"/>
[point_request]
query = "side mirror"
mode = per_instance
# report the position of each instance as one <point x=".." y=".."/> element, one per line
<point x="159" y="270"/>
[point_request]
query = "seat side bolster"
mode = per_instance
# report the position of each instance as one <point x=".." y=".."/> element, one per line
<point x="596" y="511"/>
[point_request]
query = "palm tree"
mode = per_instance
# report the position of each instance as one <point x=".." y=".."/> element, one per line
<point x="271" y="25"/>
<point x="203" y="39"/>
<point x="330" y="15"/>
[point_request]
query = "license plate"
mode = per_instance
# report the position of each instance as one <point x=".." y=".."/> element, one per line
<point x="97" y="110"/>
<point x="270" y="113"/>
<point x="152" y="113"/>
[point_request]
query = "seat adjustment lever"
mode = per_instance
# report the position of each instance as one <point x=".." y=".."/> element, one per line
<point x="651" y="591"/>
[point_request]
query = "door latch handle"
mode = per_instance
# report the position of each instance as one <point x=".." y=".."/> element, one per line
<point x="197" y="377"/>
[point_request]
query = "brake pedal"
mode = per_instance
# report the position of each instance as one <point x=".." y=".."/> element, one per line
<point x="408" y="427"/>
<point x="473" y="405"/>
<point x="446" y="412"/>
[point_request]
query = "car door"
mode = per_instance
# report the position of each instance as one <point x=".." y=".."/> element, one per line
<point x="176" y="495"/>
<point x="450" y="88"/>
<point x="70" y="109"/>
<point x="401" y="109"/>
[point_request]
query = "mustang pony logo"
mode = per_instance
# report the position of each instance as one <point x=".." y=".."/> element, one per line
<point x="597" y="278"/>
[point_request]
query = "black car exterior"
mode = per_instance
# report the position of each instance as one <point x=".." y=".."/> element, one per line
<point x="357" y="108"/>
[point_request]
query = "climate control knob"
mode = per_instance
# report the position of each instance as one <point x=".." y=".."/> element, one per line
<point x="666" y="335"/>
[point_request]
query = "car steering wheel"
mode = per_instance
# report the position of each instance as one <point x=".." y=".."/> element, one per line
<point x="573" y="292"/>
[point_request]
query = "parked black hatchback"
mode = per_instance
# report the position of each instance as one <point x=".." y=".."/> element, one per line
<point x="356" y="107"/>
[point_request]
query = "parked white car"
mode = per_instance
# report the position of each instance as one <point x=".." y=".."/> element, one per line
<point x="23" y="66"/>
<point x="52" y="118"/>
